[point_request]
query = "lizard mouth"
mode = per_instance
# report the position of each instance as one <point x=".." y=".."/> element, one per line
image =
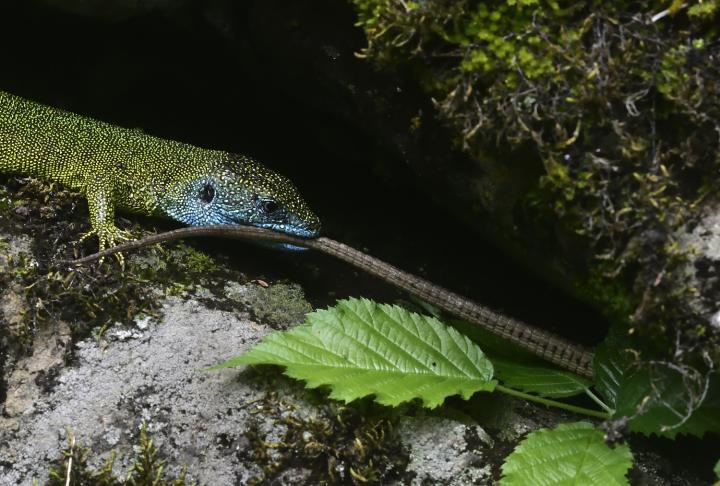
<point x="300" y="231"/>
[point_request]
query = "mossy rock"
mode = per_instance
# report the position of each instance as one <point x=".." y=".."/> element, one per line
<point x="614" y="109"/>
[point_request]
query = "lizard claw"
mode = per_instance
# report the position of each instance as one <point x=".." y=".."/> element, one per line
<point x="108" y="237"/>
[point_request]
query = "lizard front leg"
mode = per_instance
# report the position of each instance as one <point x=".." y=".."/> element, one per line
<point x="101" y="203"/>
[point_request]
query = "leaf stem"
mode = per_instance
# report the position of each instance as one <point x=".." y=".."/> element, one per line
<point x="553" y="403"/>
<point x="597" y="400"/>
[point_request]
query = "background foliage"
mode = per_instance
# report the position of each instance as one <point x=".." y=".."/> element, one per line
<point x="620" y="101"/>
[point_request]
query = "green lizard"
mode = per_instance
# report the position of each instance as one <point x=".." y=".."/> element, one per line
<point x="125" y="169"/>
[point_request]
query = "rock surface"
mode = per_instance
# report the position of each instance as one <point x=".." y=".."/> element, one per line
<point x="103" y="386"/>
<point x="154" y="372"/>
<point x="155" y="376"/>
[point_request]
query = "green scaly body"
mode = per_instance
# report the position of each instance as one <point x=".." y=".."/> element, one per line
<point x="119" y="168"/>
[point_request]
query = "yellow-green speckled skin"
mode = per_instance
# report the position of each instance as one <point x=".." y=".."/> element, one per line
<point x="126" y="169"/>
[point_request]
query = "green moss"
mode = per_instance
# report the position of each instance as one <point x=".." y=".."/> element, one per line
<point x="147" y="469"/>
<point x="704" y="10"/>
<point x="617" y="300"/>
<point x="353" y="444"/>
<point x="281" y="305"/>
<point x="198" y="262"/>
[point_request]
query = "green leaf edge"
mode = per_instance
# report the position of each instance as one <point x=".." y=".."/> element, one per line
<point x="621" y="451"/>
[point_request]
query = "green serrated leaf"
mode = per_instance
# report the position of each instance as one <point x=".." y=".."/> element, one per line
<point x="573" y="454"/>
<point x="656" y="398"/>
<point x="662" y="400"/>
<point x="613" y="359"/>
<point x="545" y="381"/>
<point x="360" y="348"/>
<point x="716" y="470"/>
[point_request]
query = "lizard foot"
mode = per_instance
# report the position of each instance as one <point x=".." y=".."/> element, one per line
<point x="108" y="237"/>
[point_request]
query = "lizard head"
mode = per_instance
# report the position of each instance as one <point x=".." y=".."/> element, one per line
<point x="239" y="190"/>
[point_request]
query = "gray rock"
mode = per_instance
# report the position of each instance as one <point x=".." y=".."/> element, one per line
<point x="440" y="452"/>
<point x="158" y="377"/>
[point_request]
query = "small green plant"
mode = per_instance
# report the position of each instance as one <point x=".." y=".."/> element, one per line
<point x="360" y="348"/>
<point x="147" y="470"/>
<point x="73" y="468"/>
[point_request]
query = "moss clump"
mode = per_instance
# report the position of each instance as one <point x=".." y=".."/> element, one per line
<point x="354" y="444"/>
<point x="280" y="305"/>
<point x="147" y="469"/>
<point x="621" y="102"/>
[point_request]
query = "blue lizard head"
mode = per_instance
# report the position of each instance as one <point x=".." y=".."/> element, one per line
<point x="239" y="190"/>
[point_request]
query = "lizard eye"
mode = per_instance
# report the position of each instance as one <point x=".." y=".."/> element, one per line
<point x="269" y="206"/>
<point x="207" y="193"/>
